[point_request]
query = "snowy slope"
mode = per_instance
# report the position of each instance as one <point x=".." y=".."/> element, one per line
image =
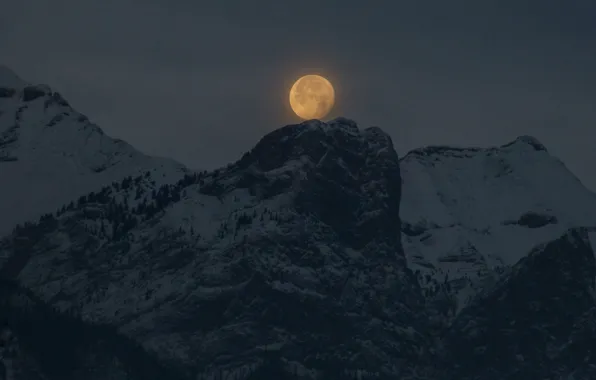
<point x="469" y="214"/>
<point x="50" y="154"/>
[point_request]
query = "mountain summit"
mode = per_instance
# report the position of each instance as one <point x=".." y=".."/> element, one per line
<point x="318" y="255"/>
<point x="50" y="154"/>
<point x="469" y="213"/>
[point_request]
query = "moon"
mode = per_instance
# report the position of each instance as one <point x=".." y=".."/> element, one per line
<point x="312" y="97"/>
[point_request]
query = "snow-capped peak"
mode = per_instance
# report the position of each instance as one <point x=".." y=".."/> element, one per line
<point x="529" y="140"/>
<point x="521" y="143"/>
<point x="317" y="141"/>
<point x="51" y="154"/>
<point x="467" y="213"/>
<point x="481" y="187"/>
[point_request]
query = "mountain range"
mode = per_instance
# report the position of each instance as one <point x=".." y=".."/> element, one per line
<point x="319" y="254"/>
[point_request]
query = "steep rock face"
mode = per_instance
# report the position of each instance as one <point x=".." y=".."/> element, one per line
<point x="527" y="325"/>
<point x="295" y="248"/>
<point x="50" y="154"/>
<point x="469" y="214"/>
<point x="577" y="357"/>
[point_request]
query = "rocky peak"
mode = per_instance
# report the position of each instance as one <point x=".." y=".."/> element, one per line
<point x="527" y="140"/>
<point x="298" y="241"/>
<point x="347" y="177"/>
<point x="315" y="140"/>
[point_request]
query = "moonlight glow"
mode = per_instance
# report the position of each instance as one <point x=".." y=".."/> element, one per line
<point x="312" y="97"/>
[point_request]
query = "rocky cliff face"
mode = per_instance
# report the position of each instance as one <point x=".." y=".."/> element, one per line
<point x="294" y="248"/>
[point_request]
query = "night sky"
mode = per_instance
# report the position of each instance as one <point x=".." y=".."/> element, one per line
<point x="202" y="81"/>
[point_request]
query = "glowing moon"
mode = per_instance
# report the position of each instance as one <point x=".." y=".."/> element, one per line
<point x="312" y="97"/>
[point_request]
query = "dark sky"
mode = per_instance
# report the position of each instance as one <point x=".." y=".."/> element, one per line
<point x="202" y="81"/>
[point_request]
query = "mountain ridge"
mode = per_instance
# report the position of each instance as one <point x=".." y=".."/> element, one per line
<point x="469" y="214"/>
<point x="438" y="149"/>
<point x="322" y="254"/>
<point x="50" y="154"/>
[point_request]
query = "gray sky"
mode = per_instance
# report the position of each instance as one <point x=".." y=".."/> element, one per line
<point x="202" y="81"/>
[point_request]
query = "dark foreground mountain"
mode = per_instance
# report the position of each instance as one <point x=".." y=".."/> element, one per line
<point x="293" y="262"/>
<point x="536" y="323"/>
<point x="37" y="342"/>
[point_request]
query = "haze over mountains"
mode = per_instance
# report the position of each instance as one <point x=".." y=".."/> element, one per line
<point x="318" y="254"/>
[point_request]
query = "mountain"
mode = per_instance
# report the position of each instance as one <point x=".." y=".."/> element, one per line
<point x="50" y="154"/>
<point x="468" y="214"/>
<point x="37" y="343"/>
<point x="219" y="269"/>
<point x="321" y="254"/>
<point x="528" y="326"/>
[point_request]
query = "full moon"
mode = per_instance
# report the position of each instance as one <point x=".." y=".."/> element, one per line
<point x="312" y="97"/>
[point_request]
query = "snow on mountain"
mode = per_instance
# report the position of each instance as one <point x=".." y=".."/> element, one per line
<point x="286" y="250"/>
<point x="468" y="214"/>
<point x="50" y="154"/>
<point x="291" y="260"/>
<point x="303" y="234"/>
